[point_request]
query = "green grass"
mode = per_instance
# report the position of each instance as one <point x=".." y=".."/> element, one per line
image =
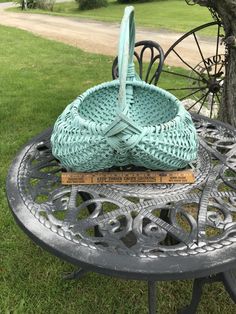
<point x="38" y="78"/>
<point x="173" y="15"/>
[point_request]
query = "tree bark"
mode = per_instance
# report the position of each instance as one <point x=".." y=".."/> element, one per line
<point x="226" y="10"/>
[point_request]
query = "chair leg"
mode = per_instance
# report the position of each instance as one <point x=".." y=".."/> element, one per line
<point x="152" y="305"/>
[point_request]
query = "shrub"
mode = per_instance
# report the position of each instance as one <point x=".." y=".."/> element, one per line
<point x="133" y="1"/>
<point x="91" y="4"/>
<point x="45" y="4"/>
<point x="38" y="4"/>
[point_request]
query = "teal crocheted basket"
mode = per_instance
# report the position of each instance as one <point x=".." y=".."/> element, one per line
<point x="125" y="121"/>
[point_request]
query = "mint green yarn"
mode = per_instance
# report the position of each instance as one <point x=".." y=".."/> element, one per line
<point x="125" y="121"/>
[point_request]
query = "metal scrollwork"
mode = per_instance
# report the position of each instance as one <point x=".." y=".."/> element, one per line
<point x="140" y="220"/>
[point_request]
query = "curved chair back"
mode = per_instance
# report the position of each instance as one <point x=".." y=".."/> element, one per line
<point x="150" y="57"/>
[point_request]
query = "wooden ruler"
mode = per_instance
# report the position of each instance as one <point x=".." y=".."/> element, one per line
<point x="128" y="177"/>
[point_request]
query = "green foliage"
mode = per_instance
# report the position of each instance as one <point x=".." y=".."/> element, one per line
<point x="133" y="1"/>
<point x="37" y="4"/>
<point x="91" y="4"/>
<point x="45" y="4"/>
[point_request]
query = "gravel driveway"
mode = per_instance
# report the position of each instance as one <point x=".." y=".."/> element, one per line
<point x="97" y="37"/>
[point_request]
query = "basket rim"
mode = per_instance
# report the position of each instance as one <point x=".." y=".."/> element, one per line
<point x="101" y="127"/>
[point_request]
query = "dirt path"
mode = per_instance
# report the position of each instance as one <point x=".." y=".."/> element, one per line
<point x="93" y="36"/>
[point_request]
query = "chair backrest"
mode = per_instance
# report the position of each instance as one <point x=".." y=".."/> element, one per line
<point x="150" y="57"/>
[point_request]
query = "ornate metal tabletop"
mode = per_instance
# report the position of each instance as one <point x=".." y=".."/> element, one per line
<point x="151" y="232"/>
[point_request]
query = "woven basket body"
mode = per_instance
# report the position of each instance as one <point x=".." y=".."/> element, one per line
<point x="126" y="121"/>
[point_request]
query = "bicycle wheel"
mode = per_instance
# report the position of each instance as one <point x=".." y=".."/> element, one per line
<point x="195" y="69"/>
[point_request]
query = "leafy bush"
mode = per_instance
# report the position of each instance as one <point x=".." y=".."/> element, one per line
<point x="91" y="4"/>
<point x="46" y="4"/>
<point x="37" y="4"/>
<point x="133" y="1"/>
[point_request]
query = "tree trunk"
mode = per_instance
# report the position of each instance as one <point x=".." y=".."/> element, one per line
<point x="24" y="5"/>
<point x="226" y="10"/>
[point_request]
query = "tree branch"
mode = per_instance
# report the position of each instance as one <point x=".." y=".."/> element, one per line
<point x="204" y="3"/>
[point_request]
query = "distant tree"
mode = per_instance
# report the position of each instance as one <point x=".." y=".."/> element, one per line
<point x="91" y="4"/>
<point x="37" y="4"/>
<point x="133" y="1"/>
<point x="226" y="10"/>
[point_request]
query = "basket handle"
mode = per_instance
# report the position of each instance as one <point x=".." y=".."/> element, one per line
<point x="126" y="54"/>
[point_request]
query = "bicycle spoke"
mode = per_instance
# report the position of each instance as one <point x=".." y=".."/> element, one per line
<point x="188" y="65"/>
<point x="201" y="54"/>
<point x="182" y="88"/>
<point x="221" y="67"/>
<point x="204" y="96"/>
<point x="199" y="110"/>
<point x="179" y="74"/>
<point x="192" y="93"/>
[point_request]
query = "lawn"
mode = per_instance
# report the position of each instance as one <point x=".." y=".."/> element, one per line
<point x="173" y="15"/>
<point x="38" y="78"/>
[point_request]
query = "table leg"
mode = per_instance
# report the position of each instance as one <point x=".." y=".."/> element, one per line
<point x="196" y="296"/>
<point x="152" y="297"/>
<point x="77" y="274"/>
<point x="197" y="291"/>
<point x="229" y="280"/>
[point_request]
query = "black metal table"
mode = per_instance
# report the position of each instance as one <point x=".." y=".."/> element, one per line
<point x="143" y="232"/>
